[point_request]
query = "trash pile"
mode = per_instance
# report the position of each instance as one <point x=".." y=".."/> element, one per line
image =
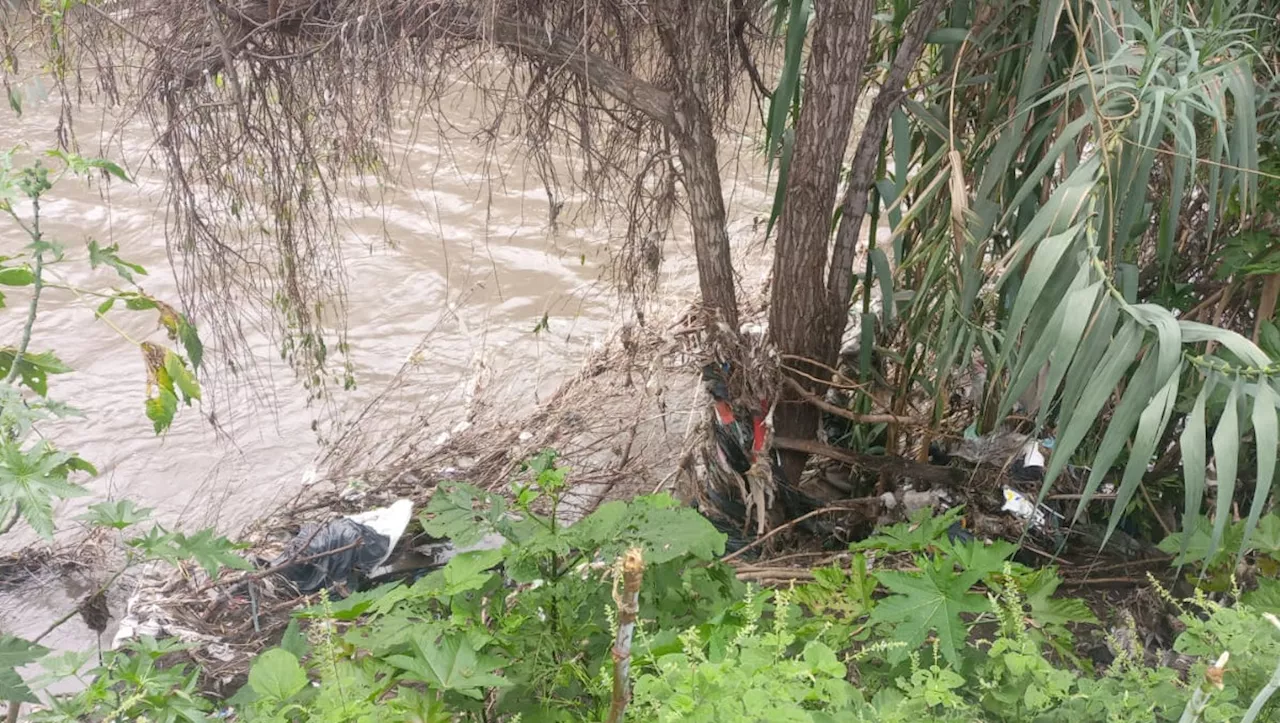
<point x="226" y="621"/>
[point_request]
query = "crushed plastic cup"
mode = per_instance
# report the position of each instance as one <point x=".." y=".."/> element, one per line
<point x="1023" y="508"/>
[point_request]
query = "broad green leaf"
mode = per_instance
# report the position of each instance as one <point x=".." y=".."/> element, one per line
<point x="181" y="376"/>
<point x="1226" y="450"/>
<point x="470" y="570"/>
<point x="277" y="675"/>
<point x="17" y="276"/>
<point x="294" y="641"/>
<point x="931" y="600"/>
<point x="190" y="342"/>
<point x="15" y="653"/>
<point x="161" y="408"/>
<point x="109" y="256"/>
<point x="34" y="478"/>
<point x="117" y="514"/>
<point x="450" y="663"/>
<point x="462" y="513"/>
<point x="1265" y="434"/>
<point x="1048" y="609"/>
<point x="34" y="368"/>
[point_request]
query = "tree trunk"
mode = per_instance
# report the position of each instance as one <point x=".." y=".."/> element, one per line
<point x="802" y="321"/>
<point x="684" y="35"/>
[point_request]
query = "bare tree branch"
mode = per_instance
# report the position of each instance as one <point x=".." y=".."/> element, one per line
<point x="854" y="206"/>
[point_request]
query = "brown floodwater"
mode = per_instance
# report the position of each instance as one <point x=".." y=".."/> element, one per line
<point x="453" y="271"/>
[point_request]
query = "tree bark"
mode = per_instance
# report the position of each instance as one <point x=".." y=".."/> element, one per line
<point x="683" y="36"/>
<point x="854" y="206"/>
<point x="802" y="321"/>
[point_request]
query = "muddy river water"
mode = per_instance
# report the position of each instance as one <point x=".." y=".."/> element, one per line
<point x="456" y="268"/>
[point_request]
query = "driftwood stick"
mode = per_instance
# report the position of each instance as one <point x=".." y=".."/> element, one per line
<point x="628" y="607"/>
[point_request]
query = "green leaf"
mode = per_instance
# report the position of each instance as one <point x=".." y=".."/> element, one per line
<point x="1150" y="428"/>
<point x="207" y="550"/>
<point x="1047" y="609"/>
<point x="17" y="276"/>
<point x="1194" y="461"/>
<point x="33" y="479"/>
<point x="1226" y="449"/>
<point x="105" y="306"/>
<point x="294" y="641"/>
<point x="1266" y="598"/>
<point x="34" y="369"/>
<point x="1265" y="434"/>
<point x="117" y="515"/>
<point x="664" y="529"/>
<point x="1124" y="347"/>
<point x="451" y="664"/>
<point x="191" y="342"/>
<point x="181" y="376"/>
<point x="931" y="600"/>
<point x="1079" y="306"/>
<point x="161" y="408"/>
<point x="922" y="532"/>
<point x="470" y="570"/>
<point x="134" y="301"/>
<point x="15" y="653"/>
<point x="1123" y="419"/>
<point x="277" y="675"/>
<point x="462" y="513"/>
<point x="111" y="168"/>
<point x="108" y="256"/>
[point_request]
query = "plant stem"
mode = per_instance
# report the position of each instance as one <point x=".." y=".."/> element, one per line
<point x="36" y="285"/>
<point x="628" y="608"/>
<point x="1269" y="689"/>
<point x="17" y="512"/>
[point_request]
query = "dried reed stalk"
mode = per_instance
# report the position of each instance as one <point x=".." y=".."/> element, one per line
<point x="628" y="607"/>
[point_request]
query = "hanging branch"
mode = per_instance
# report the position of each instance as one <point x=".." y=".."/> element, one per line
<point x="628" y="607"/>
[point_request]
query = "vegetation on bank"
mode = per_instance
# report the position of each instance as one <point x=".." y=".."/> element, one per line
<point x="911" y="626"/>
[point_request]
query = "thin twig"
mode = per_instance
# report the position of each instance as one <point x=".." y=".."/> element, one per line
<point x="845" y="413"/>
<point x="792" y="523"/>
<point x="1152" y="506"/>
<point x="37" y="284"/>
<point x="877" y="463"/>
<point x="282" y="566"/>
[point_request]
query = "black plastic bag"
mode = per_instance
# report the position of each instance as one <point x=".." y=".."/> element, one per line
<point x="359" y="548"/>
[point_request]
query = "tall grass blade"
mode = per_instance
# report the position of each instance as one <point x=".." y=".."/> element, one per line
<point x="1226" y="451"/>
